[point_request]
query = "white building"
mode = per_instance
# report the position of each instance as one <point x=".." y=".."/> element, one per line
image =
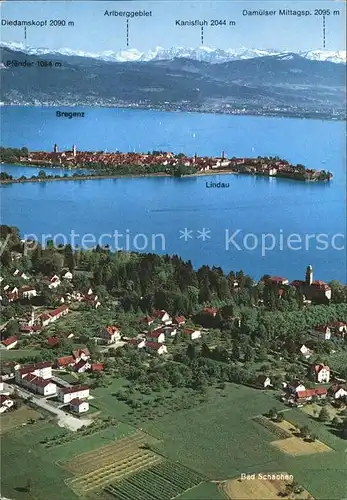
<point x="322" y="332"/>
<point x="5" y="403"/>
<point x="9" y="343"/>
<point x="42" y="370"/>
<point x="263" y="381"/>
<point x="296" y="386"/>
<point x="82" y="366"/>
<point x="306" y="352"/>
<point x="157" y="336"/>
<point x="110" y="334"/>
<point x="139" y="343"/>
<point x="67" y="275"/>
<point x="40" y="385"/>
<point x="170" y="331"/>
<point x="79" y="354"/>
<point x="79" y="406"/>
<point x="28" y="292"/>
<point x="67" y="394"/>
<point x="192" y="333"/>
<point x="51" y="316"/>
<point x="20" y="274"/>
<point x="339" y="391"/>
<point x="321" y="373"/>
<point x="157" y="348"/>
<point x="54" y="282"/>
<point x="163" y="316"/>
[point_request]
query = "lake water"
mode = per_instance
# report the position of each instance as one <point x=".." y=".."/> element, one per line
<point x="252" y="207"/>
<point x="18" y="170"/>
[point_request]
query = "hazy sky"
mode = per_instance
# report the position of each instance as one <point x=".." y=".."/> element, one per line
<point x="93" y="31"/>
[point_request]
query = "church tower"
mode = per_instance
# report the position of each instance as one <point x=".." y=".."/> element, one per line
<point x="74" y="150"/>
<point x="309" y="276"/>
<point x="55" y="148"/>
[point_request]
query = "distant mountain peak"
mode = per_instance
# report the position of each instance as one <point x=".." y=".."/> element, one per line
<point x="201" y="53"/>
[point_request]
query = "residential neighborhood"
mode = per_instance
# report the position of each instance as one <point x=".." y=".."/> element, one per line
<point x="103" y="356"/>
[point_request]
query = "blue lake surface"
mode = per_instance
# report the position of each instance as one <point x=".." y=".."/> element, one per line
<point x="311" y="214"/>
<point x="18" y="170"/>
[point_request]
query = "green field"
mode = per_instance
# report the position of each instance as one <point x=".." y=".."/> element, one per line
<point x="107" y="403"/>
<point x="14" y="354"/>
<point x="23" y="458"/>
<point x="205" y="491"/>
<point x="162" y="481"/>
<point x="218" y="439"/>
<point x="16" y="418"/>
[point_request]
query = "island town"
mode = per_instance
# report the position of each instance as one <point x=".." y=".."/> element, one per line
<point x="108" y="164"/>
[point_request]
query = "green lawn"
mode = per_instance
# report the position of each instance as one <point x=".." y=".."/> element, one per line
<point x="16" y="418"/>
<point x="71" y="378"/>
<point x="14" y="354"/>
<point x="219" y="438"/>
<point x="205" y="491"/>
<point x="23" y="457"/>
<point x="108" y="404"/>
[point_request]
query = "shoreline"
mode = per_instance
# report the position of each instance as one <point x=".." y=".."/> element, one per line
<point x="274" y="114"/>
<point x="157" y="174"/>
<point x="110" y="176"/>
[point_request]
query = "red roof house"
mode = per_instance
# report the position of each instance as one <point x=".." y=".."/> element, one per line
<point x="211" y="311"/>
<point x="110" y="334"/>
<point x="139" y="343"/>
<point x="65" y="361"/>
<point x="179" y="320"/>
<point x="147" y="320"/>
<point x="34" y="367"/>
<point x="156" y="347"/>
<point x="97" y="367"/>
<point x="10" y="342"/>
<point x="52" y="341"/>
<point x="309" y="393"/>
<point x="81" y="354"/>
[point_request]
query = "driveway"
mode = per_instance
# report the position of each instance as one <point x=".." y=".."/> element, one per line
<point x="116" y="345"/>
<point x="64" y="419"/>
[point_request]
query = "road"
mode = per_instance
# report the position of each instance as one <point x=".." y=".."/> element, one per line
<point x="116" y="345"/>
<point x="64" y="419"/>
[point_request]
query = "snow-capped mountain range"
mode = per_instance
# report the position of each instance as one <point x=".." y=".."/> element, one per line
<point x="202" y="53"/>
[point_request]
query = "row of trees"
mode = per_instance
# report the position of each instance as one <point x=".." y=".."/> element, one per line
<point x="12" y="155"/>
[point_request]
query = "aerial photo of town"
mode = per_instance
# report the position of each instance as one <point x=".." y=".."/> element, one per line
<point x="173" y="280"/>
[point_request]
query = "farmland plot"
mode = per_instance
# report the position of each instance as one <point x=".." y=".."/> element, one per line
<point x="109" y="463"/>
<point x="163" y="481"/>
